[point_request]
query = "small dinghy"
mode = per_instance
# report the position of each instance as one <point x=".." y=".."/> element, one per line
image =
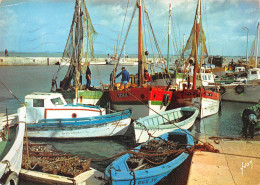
<point x="114" y="124"/>
<point x="151" y="161"/>
<point x="156" y="125"/>
<point x="10" y="151"/>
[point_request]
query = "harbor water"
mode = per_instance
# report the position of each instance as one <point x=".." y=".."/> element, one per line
<point x="22" y="80"/>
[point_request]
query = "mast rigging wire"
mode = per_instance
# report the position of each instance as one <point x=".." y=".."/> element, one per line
<point x="11" y="93"/>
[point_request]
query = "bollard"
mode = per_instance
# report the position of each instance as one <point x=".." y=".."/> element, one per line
<point x="33" y="60"/>
<point x="48" y="61"/>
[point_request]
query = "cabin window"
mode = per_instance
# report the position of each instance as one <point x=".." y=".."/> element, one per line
<point x="38" y="103"/>
<point x="209" y="77"/>
<point x="253" y="72"/>
<point x="57" y="101"/>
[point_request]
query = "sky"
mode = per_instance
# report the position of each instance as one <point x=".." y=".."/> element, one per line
<point x="43" y="25"/>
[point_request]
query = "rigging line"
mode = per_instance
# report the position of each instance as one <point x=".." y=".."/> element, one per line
<point x="144" y="29"/>
<point x="206" y="21"/>
<point x="174" y="41"/>
<point x="174" y="46"/>
<point x="156" y="43"/>
<point x="123" y="23"/>
<point x="163" y="41"/>
<point x="126" y="35"/>
<point x="11" y="93"/>
<point x="149" y="33"/>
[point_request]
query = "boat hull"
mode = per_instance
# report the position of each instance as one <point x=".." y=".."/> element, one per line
<point x="14" y="155"/>
<point x="207" y="101"/>
<point x="251" y="93"/>
<point x="158" y="125"/>
<point x="142" y="101"/>
<point x="118" y="172"/>
<point x="99" y="126"/>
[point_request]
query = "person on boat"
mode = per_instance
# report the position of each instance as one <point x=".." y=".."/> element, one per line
<point x="147" y="77"/>
<point x="88" y="77"/>
<point x="125" y="78"/>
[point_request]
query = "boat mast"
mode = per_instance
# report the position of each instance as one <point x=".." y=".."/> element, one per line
<point x="257" y="38"/>
<point x="169" y="33"/>
<point x="140" y="65"/>
<point x="198" y="13"/>
<point x="77" y="50"/>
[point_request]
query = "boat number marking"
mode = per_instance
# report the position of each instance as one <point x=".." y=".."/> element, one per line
<point x="147" y="181"/>
<point x="122" y="95"/>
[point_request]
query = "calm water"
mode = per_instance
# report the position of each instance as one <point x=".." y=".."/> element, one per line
<point x="22" y="80"/>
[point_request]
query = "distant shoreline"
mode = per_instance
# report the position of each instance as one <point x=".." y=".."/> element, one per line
<point x="30" y="61"/>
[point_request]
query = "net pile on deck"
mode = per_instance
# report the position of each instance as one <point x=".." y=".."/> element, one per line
<point x="154" y="153"/>
<point x="46" y="158"/>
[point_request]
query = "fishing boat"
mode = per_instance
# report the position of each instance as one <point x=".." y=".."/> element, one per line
<point x="167" y="121"/>
<point x="41" y="105"/>
<point x="144" y="99"/>
<point x="49" y="116"/>
<point x="131" y="169"/>
<point x="78" y="52"/>
<point x="114" y="124"/>
<point x="208" y="101"/>
<point x="11" y="146"/>
<point x="241" y="92"/>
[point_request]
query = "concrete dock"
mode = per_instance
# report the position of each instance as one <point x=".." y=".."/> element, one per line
<point x="30" y="61"/>
<point x="237" y="163"/>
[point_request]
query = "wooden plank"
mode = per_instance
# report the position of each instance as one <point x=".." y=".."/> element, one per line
<point x="91" y="177"/>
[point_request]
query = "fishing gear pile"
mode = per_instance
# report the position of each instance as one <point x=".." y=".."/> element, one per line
<point x="154" y="153"/>
<point x="46" y="158"/>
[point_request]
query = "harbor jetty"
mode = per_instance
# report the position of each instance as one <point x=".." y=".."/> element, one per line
<point x="237" y="162"/>
<point x="43" y="61"/>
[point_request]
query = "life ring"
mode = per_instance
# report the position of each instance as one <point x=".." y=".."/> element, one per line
<point x="239" y="89"/>
<point x="222" y="90"/>
<point x="165" y="99"/>
<point x="11" y="179"/>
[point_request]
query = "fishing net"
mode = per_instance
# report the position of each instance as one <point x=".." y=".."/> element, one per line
<point x="154" y="153"/>
<point x="46" y="158"/>
<point x="191" y="46"/>
<point x="79" y="45"/>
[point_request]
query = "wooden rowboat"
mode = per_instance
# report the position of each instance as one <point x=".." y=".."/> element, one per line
<point x="121" y="172"/>
<point x="156" y="125"/>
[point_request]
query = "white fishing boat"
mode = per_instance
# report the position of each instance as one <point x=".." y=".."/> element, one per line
<point x="53" y="106"/>
<point x="108" y="125"/>
<point x="241" y="92"/>
<point x="194" y="94"/>
<point x="167" y="121"/>
<point x="10" y="150"/>
<point x="48" y="116"/>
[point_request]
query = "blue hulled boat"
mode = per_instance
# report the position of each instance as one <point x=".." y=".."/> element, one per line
<point x="122" y="172"/>
<point x="89" y="127"/>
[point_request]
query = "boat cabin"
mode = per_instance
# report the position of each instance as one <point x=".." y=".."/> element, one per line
<point x="239" y="69"/>
<point x="253" y="74"/>
<point x="40" y="106"/>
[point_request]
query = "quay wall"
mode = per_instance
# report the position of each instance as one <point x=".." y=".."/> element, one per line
<point x="30" y="61"/>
